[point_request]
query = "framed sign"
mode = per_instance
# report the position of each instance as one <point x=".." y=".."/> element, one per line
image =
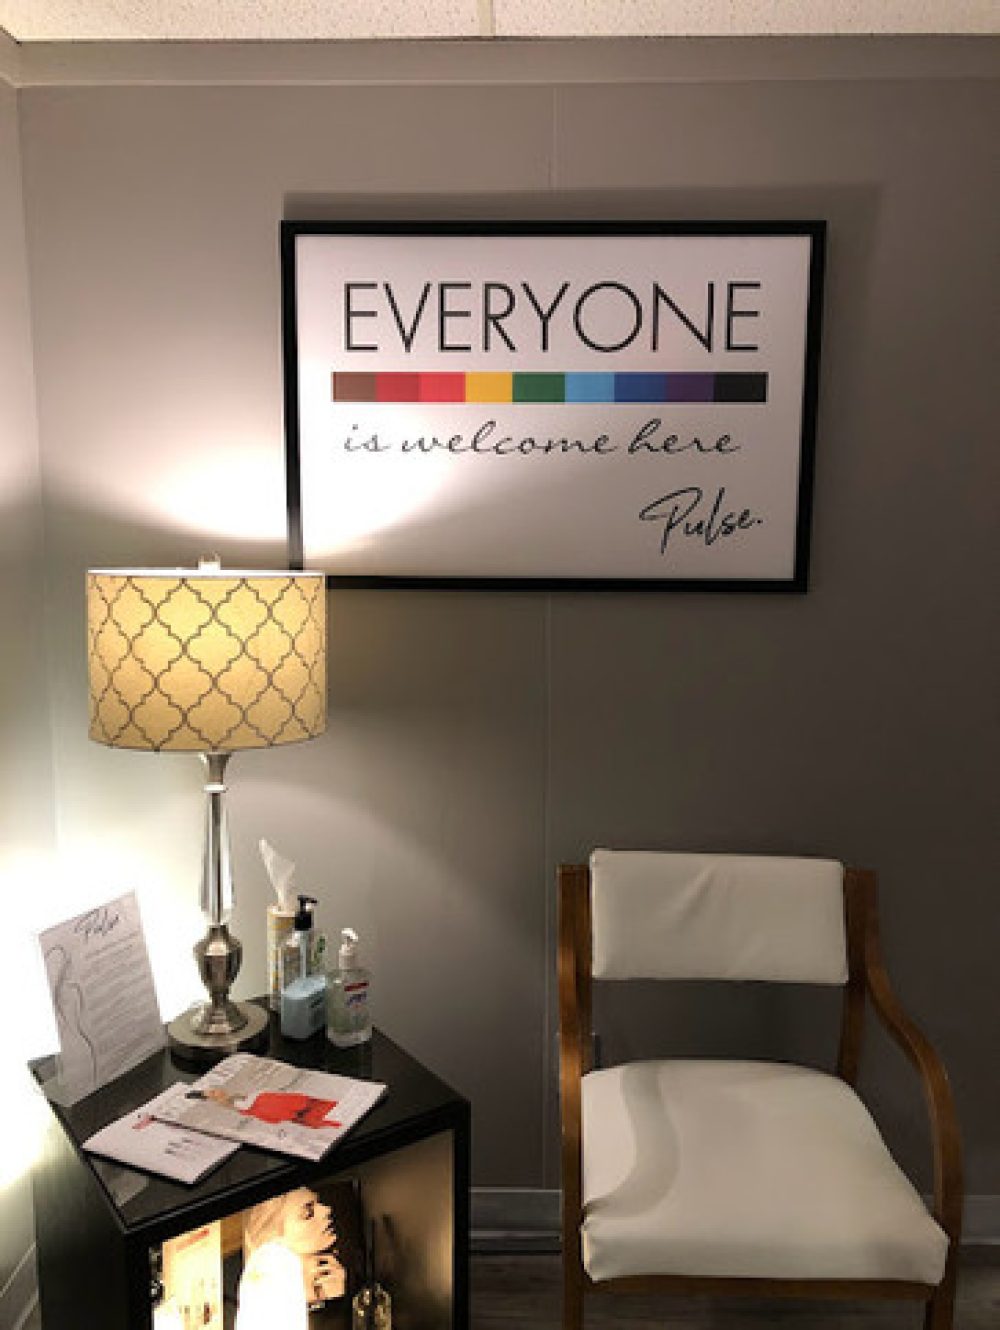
<point x="565" y="405"/>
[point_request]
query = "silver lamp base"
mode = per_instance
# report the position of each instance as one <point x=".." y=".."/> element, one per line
<point x="210" y="1030"/>
<point x="189" y="1038"/>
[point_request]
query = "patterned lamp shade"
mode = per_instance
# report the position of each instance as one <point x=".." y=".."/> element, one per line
<point x="205" y="661"/>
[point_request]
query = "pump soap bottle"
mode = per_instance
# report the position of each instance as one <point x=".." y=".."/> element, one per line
<point x="348" y="1018"/>
<point x="303" y="993"/>
<point x="297" y="948"/>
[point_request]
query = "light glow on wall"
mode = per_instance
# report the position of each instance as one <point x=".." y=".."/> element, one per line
<point x="25" y="877"/>
<point x="88" y="874"/>
<point x="226" y="483"/>
<point x="50" y="889"/>
<point x="360" y="501"/>
<point x="235" y="490"/>
<point x="99" y="870"/>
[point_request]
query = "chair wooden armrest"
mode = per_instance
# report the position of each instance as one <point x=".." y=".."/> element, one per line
<point x="574" y="1062"/>
<point x="945" y="1138"/>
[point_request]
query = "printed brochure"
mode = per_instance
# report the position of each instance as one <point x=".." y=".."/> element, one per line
<point x="140" y="1140"/>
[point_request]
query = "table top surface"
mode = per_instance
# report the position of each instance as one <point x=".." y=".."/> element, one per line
<point x="417" y="1105"/>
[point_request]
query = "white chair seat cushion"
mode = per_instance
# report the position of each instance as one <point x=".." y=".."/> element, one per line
<point x="756" y="1170"/>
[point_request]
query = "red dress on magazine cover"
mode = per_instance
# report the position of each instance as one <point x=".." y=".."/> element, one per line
<point x="283" y="1106"/>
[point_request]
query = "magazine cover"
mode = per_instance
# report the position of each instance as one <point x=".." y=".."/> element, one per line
<point x="273" y="1105"/>
<point x="322" y="1227"/>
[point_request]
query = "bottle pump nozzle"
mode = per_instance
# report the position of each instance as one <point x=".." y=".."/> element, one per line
<point x="348" y="956"/>
<point x="304" y="915"/>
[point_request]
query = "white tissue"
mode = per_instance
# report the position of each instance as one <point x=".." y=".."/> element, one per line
<point x="281" y="871"/>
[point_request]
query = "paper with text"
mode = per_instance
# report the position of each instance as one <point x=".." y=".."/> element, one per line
<point x="102" y="993"/>
<point x="141" y="1141"/>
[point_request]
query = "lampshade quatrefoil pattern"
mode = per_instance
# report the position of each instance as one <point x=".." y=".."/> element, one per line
<point x="206" y="661"/>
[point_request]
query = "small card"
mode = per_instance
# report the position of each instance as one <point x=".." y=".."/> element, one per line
<point x="141" y="1141"/>
<point x="102" y="993"/>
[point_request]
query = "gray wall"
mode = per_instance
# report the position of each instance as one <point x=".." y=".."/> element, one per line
<point x="476" y="740"/>
<point x="26" y="803"/>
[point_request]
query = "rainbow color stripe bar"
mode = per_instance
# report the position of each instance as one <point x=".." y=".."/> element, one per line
<point x="653" y="389"/>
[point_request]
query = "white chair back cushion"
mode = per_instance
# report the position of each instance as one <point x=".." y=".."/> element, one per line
<point x="658" y="915"/>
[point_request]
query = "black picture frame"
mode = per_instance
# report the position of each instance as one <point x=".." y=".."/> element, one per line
<point x="794" y="580"/>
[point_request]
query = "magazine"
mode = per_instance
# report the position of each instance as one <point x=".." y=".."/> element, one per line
<point x="273" y="1105"/>
<point x="141" y="1141"/>
<point x="322" y="1225"/>
<point x="192" y="1278"/>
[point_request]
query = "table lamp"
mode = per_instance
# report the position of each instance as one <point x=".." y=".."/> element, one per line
<point x="208" y="661"/>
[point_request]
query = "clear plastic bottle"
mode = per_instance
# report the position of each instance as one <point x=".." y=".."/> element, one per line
<point x="371" y="1308"/>
<point x="303" y="993"/>
<point x="348" y="1013"/>
<point x="295" y="956"/>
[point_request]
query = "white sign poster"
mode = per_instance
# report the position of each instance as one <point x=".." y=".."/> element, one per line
<point x="102" y="994"/>
<point x="552" y="406"/>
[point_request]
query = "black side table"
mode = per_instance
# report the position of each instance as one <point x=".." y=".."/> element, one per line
<point x="99" y="1227"/>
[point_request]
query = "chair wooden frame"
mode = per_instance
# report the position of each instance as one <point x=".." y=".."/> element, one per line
<point x="867" y="980"/>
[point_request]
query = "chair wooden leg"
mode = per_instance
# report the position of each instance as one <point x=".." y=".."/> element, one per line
<point x="940" y="1313"/>
<point x="572" y="1293"/>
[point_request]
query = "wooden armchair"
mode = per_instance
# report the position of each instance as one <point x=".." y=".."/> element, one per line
<point x="688" y="1176"/>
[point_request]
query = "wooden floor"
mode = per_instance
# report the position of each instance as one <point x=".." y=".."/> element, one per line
<point x="522" y="1293"/>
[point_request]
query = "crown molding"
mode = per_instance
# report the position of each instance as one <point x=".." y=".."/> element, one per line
<point x="503" y="61"/>
<point x="229" y="20"/>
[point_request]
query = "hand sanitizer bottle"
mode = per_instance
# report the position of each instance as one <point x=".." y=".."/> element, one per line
<point x="348" y="1015"/>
